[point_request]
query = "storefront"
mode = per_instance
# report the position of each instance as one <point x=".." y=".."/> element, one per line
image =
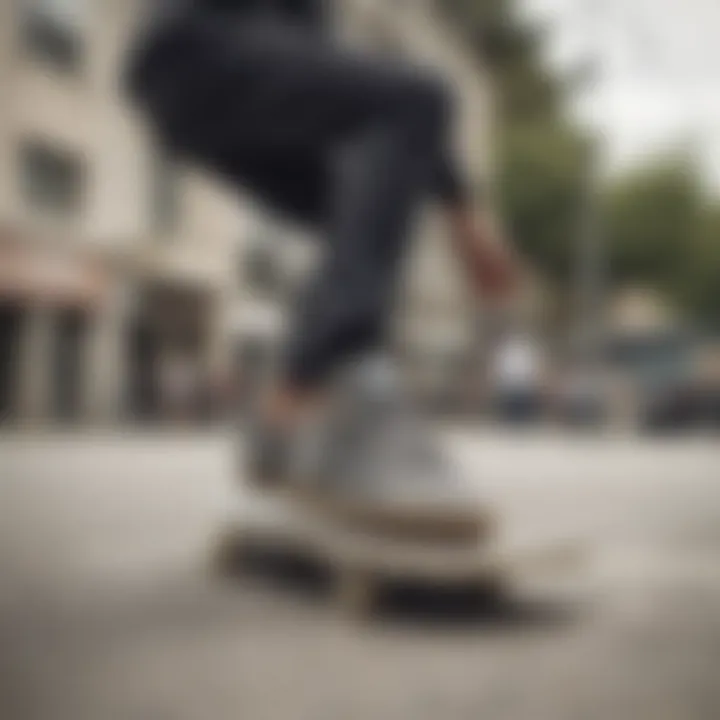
<point x="167" y="352"/>
<point x="54" y="312"/>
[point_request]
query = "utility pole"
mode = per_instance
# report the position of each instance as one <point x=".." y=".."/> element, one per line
<point x="589" y="267"/>
<point x="589" y="270"/>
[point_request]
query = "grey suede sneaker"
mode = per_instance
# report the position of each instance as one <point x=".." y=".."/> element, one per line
<point x="372" y="464"/>
<point x="269" y="453"/>
<point x="384" y="466"/>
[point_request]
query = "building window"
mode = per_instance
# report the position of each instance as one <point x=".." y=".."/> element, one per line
<point x="165" y="193"/>
<point x="52" y="31"/>
<point x="53" y="179"/>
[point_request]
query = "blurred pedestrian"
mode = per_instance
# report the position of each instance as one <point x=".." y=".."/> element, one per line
<point x="517" y="378"/>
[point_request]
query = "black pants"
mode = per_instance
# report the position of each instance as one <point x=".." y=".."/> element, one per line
<point x="347" y="143"/>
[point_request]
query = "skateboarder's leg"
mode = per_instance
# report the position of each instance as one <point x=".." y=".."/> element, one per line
<point x="381" y="175"/>
<point x="377" y="129"/>
<point x="377" y="132"/>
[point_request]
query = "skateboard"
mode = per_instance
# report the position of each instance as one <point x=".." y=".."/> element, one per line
<point x="362" y="563"/>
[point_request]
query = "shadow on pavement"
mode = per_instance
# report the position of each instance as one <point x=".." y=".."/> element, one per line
<point x="486" y="607"/>
<point x="487" y="610"/>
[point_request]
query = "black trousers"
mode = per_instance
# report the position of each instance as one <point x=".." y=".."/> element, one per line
<point x="350" y="144"/>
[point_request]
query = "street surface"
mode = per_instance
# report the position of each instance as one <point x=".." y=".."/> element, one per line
<point x="109" y="608"/>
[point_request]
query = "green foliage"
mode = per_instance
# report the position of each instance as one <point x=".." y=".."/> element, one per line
<point x="541" y="193"/>
<point x="654" y="225"/>
<point x="525" y="90"/>
<point x="652" y="216"/>
<point x="661" y="232"/>
<point x="541" y="156"/>
<point x="698" y="286"/>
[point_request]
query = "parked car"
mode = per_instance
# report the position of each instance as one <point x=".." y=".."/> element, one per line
<point x="684" y="405"/>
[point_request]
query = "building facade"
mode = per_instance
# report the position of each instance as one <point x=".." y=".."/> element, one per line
<point x="126" y="281"/>
<point x="115" y="266"/>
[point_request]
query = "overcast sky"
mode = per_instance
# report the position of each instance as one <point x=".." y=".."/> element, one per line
<point x="658" y="77"/>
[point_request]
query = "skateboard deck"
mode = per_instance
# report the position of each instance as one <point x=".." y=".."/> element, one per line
<point x="363" y="563"/>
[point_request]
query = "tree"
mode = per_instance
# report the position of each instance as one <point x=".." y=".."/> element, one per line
<point x="542" y="156"/>
<point x="661" y="232"/>
<point x="698" y="287"/>
<point x="657" y="230"/>
<point x="652" y="219"/>
<point x="541" y="193"/>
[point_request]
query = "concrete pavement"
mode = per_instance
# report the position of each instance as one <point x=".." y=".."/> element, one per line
<point x="109" y="610"/>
